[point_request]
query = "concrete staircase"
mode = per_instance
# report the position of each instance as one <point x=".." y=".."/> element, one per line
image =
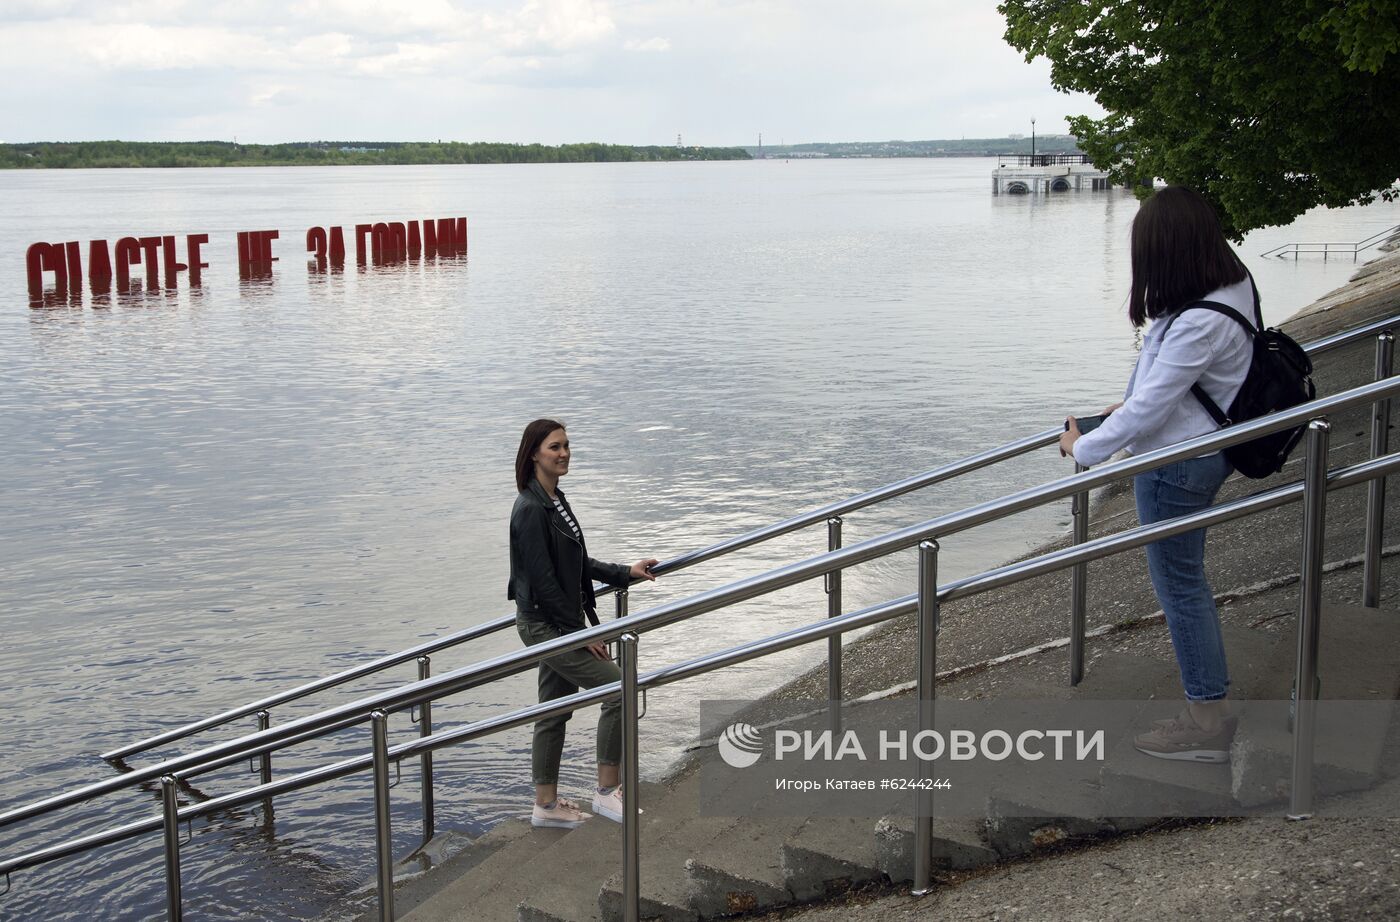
<point x="703" y="867"/>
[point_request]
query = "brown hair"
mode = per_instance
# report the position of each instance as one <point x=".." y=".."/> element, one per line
<point x="1179" y="254"/>
<point x="530" y="441"/>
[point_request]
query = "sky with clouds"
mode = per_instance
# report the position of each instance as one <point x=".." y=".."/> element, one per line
<point x="717" y="72"/>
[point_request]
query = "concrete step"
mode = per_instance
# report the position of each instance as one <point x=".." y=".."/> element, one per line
<point x="564" y="883"/>
<point x="830" y="855"/>
<point x="1134" y="784"/>
<point x="670" y="835"/>
<point x="665" y="884"/>
<point x="958" y="845"/>
<point x="1118" y="677"/>
<point x="446" y="858"/>
<point x="1039" y="809"/>
<point x="492" y="887"/>
<point x="742" y="871"/>
<point x="1031" y="818"/>
<point x="1362" y="648"/>
<point x="1358" y="661"/>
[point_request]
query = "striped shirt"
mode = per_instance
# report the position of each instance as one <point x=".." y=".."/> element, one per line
<point x="567" y="518"/>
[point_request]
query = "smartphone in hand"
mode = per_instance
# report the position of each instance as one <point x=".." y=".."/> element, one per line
<point x="1086" y="424"/>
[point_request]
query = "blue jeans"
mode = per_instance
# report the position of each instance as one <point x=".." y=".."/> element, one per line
<point x="1178" y="569"/>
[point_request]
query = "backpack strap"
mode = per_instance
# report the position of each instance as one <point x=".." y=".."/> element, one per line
<point x="1219" y="308"/>
<point x="1258" y="314"/>
<point x="1254" y="331"/>
<point x="1207" y="403"/>
<point x="1210" y="406"/>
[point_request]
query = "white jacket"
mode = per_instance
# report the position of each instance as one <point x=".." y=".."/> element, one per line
<point x="1158" y="406"/>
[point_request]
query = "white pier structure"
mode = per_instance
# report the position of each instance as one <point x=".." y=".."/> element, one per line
<point x="1046" y="173"/>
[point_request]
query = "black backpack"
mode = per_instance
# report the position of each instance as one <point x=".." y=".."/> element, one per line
<point x="1278" y="378"/>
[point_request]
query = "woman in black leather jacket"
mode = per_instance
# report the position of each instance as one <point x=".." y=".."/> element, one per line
<point x="551" y="581"/>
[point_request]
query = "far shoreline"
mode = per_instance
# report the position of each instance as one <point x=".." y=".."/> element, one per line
<point x="41" y="155"/>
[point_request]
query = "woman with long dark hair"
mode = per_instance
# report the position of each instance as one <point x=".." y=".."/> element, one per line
<point x="1179" y="257"/>
<point x="551" y="581"/>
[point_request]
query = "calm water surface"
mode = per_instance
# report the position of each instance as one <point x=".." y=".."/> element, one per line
<point x="211" y="495"/>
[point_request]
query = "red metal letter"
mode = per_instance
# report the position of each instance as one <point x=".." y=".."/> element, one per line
<point x="73" y="258"/>
<point x="99" y="267"/>
<point x="36" y="259"/>
<point x="361" y="231"/>
<point x="316" y="242"/>
<point x="192" y="244"/>
<point x="381" y="244"/>
<point x="337" y="247"/>
<point x="172" y="266"/>
<point x="149" y="245"/>
<point x="128" y="255"/>
<point x="264" y="247"/>
<point x="399" y="235"/>
<point x="452" y="234"/>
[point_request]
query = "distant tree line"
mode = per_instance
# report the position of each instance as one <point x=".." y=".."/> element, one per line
<point x="952" y="147"/>
<point x="99" y="154"/>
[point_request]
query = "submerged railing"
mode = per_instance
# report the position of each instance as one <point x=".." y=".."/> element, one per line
<point x="1334" y="249"/>
<point x="926" y="535"/>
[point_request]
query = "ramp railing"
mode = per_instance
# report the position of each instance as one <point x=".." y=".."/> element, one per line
<point x="831" y="513"/>
<point x="1329" y="250"/>
<point x="926" y="604"/>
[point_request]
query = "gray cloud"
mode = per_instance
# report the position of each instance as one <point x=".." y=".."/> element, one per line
<point x="516" y="70"/>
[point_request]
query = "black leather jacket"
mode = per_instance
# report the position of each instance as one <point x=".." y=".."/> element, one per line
<point x="551" y="574"/>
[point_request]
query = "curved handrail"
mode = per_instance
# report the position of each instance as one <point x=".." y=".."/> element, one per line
<point x="815" y="631"/>
<point x="741" y="590"/>
<point x="841" y="507"/>
<point x="1355" y="248"/>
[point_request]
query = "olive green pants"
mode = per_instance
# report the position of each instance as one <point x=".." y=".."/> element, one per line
<point x="563" y="675"/>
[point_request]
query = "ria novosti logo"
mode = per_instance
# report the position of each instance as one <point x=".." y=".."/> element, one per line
<point x="740" y="745"/>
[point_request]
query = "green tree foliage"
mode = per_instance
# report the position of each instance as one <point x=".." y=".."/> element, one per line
<point x="90" y="154"/>
<point x="1267" y="107"/>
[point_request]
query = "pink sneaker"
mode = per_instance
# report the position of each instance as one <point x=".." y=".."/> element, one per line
<point x="562" y="814"/>
<point x="1182" y="739"/>
<point x="610" y="805"/>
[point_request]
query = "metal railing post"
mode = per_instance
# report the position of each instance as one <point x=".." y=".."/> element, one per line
<point x="631" y="845"/>
<point x="1079" y="584"/>
<point x="384" y="841"/>
<point x="425" y="728"/>
<point x="1300" y="802"/>
<point x="1375" y="490"/>
<point x="833" y="644"/>
<point x="170" y="808"/>
<point x="620" y="596"/>
<point x="928" y="673"/>
<point x="265" y="766"/>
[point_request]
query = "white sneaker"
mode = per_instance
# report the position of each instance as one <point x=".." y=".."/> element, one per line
<point x="610" y="804"/>
<point x="562" y="814"/>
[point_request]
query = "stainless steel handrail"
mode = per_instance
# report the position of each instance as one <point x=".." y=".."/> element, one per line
<point x="881" y="494"/>
<point x="741" y="590"/>
<point x="1329" y="248"/>
<point x="818" y="630"/>
<point x="786" y="526"/>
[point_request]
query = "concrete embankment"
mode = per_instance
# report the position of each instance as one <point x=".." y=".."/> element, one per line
<point x="1005" y="644"/>
<point x="1325" y="868"/>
